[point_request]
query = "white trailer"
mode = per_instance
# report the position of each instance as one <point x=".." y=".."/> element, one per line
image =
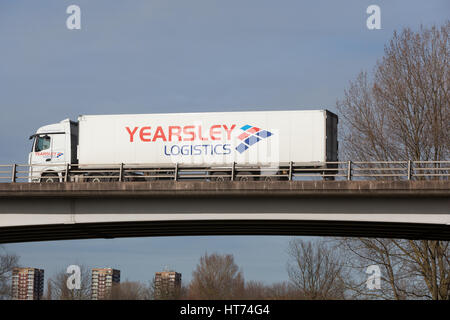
<point x="257" y="139"/>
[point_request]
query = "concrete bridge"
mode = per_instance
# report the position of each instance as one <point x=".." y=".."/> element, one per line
<point x="57" y="211"/>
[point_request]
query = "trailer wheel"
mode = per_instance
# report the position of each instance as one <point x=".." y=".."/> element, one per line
<point x="270" y="178"/>
<point x="98" y="177"/>
<point x="219" y="178"/>
<point x="245" y="176"/>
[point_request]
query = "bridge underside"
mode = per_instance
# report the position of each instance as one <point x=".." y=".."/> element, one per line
<point x="225" y="227"/>
<point x="83" y="211"/>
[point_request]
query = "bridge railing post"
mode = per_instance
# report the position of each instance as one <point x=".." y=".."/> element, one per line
<point x="66" y="173"/>
<point x="14" y="173"/>
<point x="290" y="171"/>
<point x="233" y="168"/>
<point x="121" y="173"/>
<point x="175" y="175"/>
<point x="409" y="169"/>
<point x="349" y="170"/>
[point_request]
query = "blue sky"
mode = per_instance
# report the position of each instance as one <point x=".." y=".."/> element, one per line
<point x="181" y="56"/>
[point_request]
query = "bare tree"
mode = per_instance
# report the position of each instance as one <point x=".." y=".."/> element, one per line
<point x="216" y="277"/>
<point x="256" y="290"/>
<point x="60" y="291"/>
<point x="49" y="293"/>
<point x="315" y="270"/>
<point x="284" y="291"/>
<point x="7" y="263"/>
<point x="402" y="114"/>
<point x="409" y="269"/>
<point x="430" y="262"/>
<point x="129" y="290"/>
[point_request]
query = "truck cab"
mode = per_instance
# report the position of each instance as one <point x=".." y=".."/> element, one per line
<point x="53" y="147"/>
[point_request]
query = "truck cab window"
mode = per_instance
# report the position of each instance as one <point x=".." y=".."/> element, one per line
<point x="42" y="143"/>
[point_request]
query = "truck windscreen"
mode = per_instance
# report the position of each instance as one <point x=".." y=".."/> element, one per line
<point x="42" y="143"/>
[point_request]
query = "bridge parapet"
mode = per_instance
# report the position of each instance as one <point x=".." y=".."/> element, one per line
<point x="424" y="188"/>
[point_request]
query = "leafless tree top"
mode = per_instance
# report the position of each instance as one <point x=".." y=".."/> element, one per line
<point x="404" y="111"/>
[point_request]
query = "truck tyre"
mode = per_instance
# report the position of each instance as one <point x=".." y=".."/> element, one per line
<point x="219" y="179"/>
<point x="50" y="178"/>
<point x="270" y="178"/>
<point x="246" y="176"/>
<point x="98" y="177"/>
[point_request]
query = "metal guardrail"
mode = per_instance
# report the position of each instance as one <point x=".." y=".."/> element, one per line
<point x="342" y="170"/>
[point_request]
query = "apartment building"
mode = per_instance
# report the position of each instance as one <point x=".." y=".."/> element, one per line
<point x="27" y="283"/>
<point x="167" y="284"/>
<point x="103" y="281"/>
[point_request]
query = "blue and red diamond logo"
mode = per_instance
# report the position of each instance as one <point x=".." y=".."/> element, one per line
<point x="250" y="136"/>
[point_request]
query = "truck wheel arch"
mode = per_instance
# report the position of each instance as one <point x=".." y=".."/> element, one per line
<point x="50" y="177"/>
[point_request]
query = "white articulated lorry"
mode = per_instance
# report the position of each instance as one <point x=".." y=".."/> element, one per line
<point x="256" y="139"/>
